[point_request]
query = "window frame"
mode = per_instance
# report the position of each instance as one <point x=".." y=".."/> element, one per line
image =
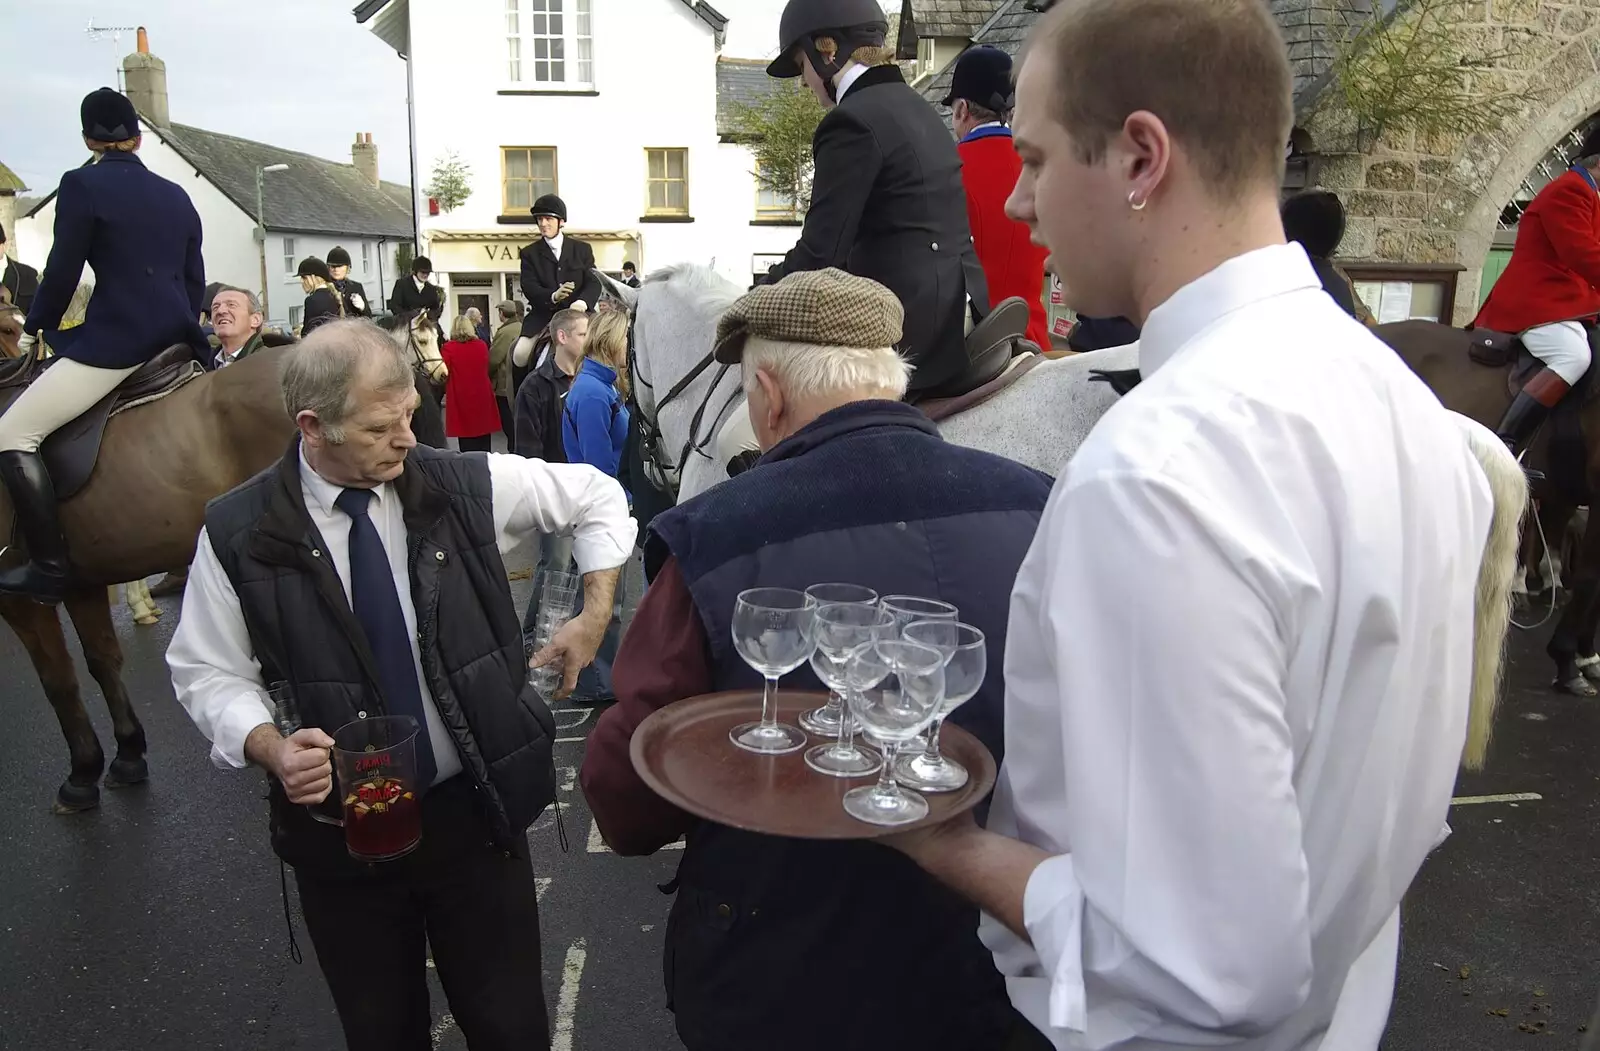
<point x="518" y="70"/>
<point x="297" y="317"/>
<point x="771" y="214"/>
<point x="555" y="177"/>
<point x="291" y="267"/>
<point x="649" y="180"/>
<point x="366" y="257"/>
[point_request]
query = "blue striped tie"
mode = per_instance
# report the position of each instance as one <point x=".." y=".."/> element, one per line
<point x="377" y="607"/>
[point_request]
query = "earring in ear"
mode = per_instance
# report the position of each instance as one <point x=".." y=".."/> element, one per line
<point x="1136" y="205"/>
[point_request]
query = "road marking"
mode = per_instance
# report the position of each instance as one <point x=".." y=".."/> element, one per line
<point x="567" y="999"/>
<point x="441" y="1027"/>
<point x="569" y="778"/>
<point x="540" y="885"/>
<point x="1507" y="797"/>
<point x="570" y="740"/>
<point x="597" y="842"/>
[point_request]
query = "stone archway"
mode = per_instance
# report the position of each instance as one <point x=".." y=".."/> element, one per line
<point x="1438" y="200"/>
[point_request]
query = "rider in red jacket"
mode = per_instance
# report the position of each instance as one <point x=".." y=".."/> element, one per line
<point x="1550" y="292"/>
<point x="980" y="102"/>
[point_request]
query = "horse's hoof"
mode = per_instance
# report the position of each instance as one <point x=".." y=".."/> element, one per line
<point x="147" y="620"/>
<point x="1590" y="667"/>
<point x="74" y="799"/>
<point x="125" y="773"/>
<point x="1577" y="686"/>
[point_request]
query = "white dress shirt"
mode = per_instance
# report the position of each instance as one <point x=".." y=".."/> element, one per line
<point x="215" y="674"/>
<point x="555" y="244"/>
<point x="1237" y="676"/>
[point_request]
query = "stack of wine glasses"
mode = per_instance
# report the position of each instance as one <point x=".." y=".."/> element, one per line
<point x="895" y="667"/>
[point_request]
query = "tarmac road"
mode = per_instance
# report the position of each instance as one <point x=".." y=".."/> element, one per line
<point x="156" y="922"/>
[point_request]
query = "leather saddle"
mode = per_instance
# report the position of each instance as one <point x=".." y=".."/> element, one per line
<point x="990" y="346"/>
<point x="71" y="451"/>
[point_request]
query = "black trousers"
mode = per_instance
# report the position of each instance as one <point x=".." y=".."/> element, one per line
<point x="475" y="445"/>
<point x="475" y="906"/>
<point x="506" y="417"/>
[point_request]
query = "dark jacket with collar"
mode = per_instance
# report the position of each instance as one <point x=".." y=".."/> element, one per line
<point x="408" y="299"/>
<point x="869" y="494"/>
<point x="303" y="631"/>
<point x="322" y="306"/>
<point x="208" y="360"/>
<point x="540" y="400"/>
<point x="141" y="235"/>
<point x="887" y="203"/>
<point x="350" y="288"/>
<point x="21" y="283"/>
<point x="543" y="273"/>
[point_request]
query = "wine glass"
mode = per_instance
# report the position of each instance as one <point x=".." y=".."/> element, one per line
<point x="894" y="716"/>
<point x="847" y="661"/>
<point x="774" y="630"/>
<point x="907" y="609"/>
<point x="824" y="721"/>
<point x="966" y="660"/>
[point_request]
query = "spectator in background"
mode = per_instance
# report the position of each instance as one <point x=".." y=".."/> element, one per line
<point x="1314" y="219"/>
<point x="323" y="303"/>
<point x="980" y="106"/>
<point x="630" y="276"/>
<point x="469" y="410"/>
<point x="415" y="293"/>
<point x="236" y="323"/>
<point x="351" y="291"/>
<point x="594" y="429"/>
<point x="480" y="326"/>
<point x="19" y="281"/>
<point x="505" y="337"/>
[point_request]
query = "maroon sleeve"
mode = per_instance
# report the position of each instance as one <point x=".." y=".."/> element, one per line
<point x="663" y="658"/>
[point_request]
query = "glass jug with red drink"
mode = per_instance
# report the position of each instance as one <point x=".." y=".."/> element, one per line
<point x="376" y="763"/>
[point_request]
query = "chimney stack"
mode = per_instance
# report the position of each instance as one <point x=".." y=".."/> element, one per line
<point x="364" y="155"/>
<point x="145" y="77"/>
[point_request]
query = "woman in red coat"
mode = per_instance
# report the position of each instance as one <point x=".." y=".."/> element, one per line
<point x="1550" y="291"/>
<point x="470" y="415"/>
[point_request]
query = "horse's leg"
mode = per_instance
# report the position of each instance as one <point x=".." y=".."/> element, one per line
<point x="1574" y="636"/>
<point x="143" y="608"/>
<point x="91" y="616"/>
<point x="39" y="629"/>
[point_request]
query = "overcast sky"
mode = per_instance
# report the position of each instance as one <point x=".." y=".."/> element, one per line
<point x="296" y="73"/>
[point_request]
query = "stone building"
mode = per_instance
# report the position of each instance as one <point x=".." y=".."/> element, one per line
<point x="1430" y="220"/>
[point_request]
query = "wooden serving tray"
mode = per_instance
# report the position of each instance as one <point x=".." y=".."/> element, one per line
<point x="683" y="752"/>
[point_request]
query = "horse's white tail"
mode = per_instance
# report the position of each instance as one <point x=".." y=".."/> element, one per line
<point x="1492" y="605"/>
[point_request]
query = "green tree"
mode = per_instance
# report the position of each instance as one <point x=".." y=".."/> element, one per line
<point x="451" y="182"/>
<point x="778" y="131"/>
<point x="1411" y="72"/>
<point x="404" y="252"/>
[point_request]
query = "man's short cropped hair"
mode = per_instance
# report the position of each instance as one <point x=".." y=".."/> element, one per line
<point x="1216" y="72"/>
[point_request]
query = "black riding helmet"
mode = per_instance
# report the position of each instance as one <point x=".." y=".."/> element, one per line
<point x="853" y="23"/>
<point x="311" y="266"/>
<point x="337" y="256"/>
<point x="551" y="205"/>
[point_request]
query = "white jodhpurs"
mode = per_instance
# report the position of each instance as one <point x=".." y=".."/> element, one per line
<point x="1564" y="346"/>
<point x="64" y="392"/>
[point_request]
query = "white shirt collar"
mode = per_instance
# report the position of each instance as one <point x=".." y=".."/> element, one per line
<point x="324" y="492"/>
<point x="421" y="284"/>
<point x="851" y="75"/>
<point x="1242" y="281"/>
<point x="555" y="243"/>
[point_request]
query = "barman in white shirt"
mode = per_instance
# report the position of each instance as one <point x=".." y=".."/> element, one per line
<point x="1241" y="647"/>
<point x="366" y="573"/>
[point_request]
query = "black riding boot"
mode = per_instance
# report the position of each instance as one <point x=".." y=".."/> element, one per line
<point x="1529" y="408"/>
<point x="33" y="501"/>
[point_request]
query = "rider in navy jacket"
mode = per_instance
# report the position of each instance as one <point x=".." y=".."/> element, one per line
<point x="141" y="235"/>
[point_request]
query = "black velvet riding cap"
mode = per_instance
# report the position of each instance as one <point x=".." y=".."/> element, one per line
<point x="311" y="266"/>
<point x="1315" y="218"/>
<point x="337" y="256"/>
<point x="108" y="116"/>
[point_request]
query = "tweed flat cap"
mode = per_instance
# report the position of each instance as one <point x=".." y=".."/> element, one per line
<point x="827" y="307"/>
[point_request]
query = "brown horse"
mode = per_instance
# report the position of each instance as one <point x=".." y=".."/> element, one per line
<point x="140" y="513"/>
<point x="1438" y="354"/>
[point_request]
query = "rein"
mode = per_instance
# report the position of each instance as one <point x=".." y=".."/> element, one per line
<point x="664" y="473"/>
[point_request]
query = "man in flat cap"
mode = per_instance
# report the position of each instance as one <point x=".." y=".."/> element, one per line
<point x="853" y="486"/>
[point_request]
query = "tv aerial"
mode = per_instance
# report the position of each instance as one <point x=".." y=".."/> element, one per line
<point x="114" y="34"/>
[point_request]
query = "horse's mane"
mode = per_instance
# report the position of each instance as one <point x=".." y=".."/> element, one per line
<point x="704" y="288"/>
